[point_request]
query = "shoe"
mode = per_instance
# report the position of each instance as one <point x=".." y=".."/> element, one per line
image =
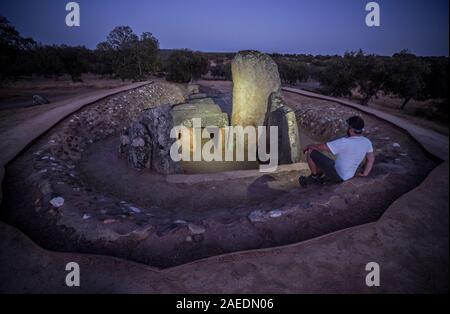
<point x="317" y="179"/>
<point x="303" y="181"/>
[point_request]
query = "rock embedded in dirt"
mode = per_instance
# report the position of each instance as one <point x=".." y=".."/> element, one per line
<point x="193" y="88"/>
<point x="255" y="77"/>
<point x="40" y="100"/>
<point x="196" y="229"/>
<point x="86" y="216"/>
<point x="275" y="213"/>
<point x="135" y="210"/>
<point x="257" y="216"/>
<point x="197" y="238"/>
<point x="57" y="202"/>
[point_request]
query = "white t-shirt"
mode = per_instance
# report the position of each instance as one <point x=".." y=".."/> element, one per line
<point x="349" y="152"/>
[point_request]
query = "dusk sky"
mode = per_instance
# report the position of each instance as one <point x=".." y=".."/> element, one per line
<point x="285" y="26"/>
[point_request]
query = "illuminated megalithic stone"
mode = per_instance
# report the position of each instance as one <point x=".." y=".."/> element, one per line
<point x="255" y="77"/>
<point x="279" y="114"/>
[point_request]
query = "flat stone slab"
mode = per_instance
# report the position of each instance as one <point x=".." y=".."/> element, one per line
<point x="193" y="88"/>
<point x="197" y="96"/>
<point x="197" y="107"/>
<point x="185" y="117"/>
<point x="231" y="175"/>
<point x="207" y="100"/>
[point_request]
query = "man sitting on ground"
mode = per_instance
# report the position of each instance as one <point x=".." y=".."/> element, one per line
<point x="349" y="151"/>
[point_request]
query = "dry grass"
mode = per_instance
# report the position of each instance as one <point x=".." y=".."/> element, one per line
<point x="413" y="111"/>
<point x="16" y="103"/>
<point x="20" y="93"/>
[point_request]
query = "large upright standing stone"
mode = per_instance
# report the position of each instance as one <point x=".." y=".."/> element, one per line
<point x="255" y="78"/>
<point x="279" y="114"/>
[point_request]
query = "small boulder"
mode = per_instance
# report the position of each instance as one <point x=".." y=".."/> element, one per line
<point x="57" y="202"/>
<point x="196" y="229"/>
<point x="40" y="100"/>
<point x="193" y="89"/>
<point x="257" y="216"/>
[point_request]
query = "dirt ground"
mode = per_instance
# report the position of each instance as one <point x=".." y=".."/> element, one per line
<point x="103" y="169"/>
<point x="410" y="115"/>
<point x="409" y="243"/>
<point x="391" y="105"/>
<point x="16" y="100"/>
<point x="20" y="93"/>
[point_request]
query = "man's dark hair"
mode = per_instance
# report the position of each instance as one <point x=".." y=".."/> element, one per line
<point x="356" y="123"/>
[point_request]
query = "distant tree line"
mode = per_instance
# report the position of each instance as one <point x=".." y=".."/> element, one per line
<point x="184" y="65"/>
<point x="126" y="55"/>
<point x="404" y="75"/>
<point x="221" y="70"/>
<point x="122" y="55"/>
<point x="293" y="72"/>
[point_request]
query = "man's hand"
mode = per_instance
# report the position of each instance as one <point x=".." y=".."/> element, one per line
<point x="307" y="149"/>
<point x="369" y="165"/>
<point x="320" y="147"/>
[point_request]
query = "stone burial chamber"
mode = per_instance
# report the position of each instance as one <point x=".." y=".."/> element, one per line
<point x="147" y="142"/>
<point x="257" y="101"/>
<point x="71" y="184"/>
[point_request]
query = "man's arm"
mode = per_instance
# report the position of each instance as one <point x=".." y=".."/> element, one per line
<point x="369" y="165"/>
<point x="320" y="147"/>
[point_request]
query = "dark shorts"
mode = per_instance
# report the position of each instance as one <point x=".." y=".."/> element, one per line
<point x="326" y="164"/>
